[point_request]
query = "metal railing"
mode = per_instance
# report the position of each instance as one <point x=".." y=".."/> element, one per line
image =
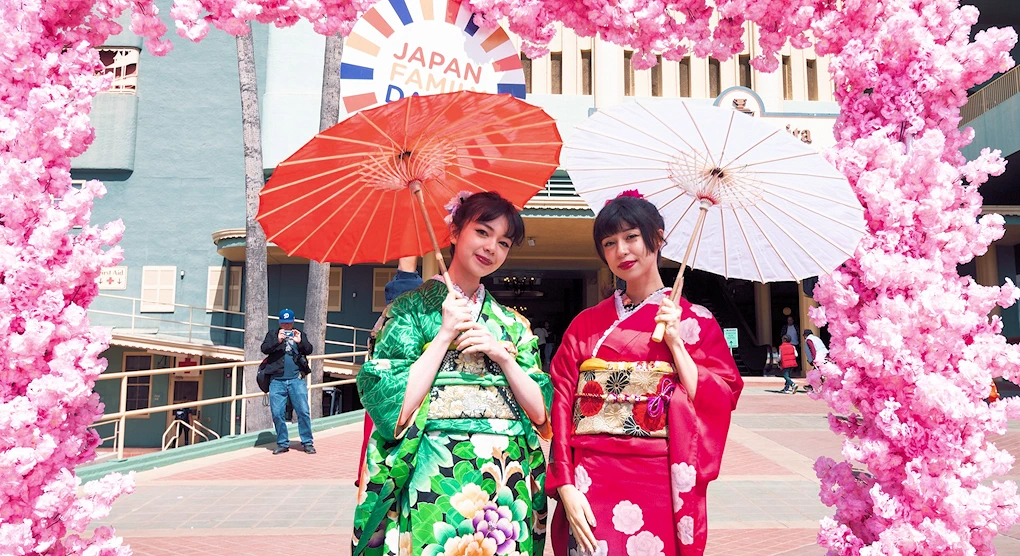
<point x="135" y="316"/>
<point x="105" y="439"/>
<point x="197" y="430"/>
<point x="359" y="336"/>
<point x="995" y="93"/>
<point x="119" y="418"/>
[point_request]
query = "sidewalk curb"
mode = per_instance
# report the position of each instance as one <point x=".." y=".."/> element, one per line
<point x="203" y="449"/>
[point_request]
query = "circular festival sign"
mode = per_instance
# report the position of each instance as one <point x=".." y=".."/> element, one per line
<point x="421" y="47"/>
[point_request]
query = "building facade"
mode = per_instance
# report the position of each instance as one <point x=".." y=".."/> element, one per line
<point x="169" y="149"/>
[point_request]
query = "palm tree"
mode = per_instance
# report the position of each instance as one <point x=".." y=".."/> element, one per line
<point x="317" y="292"/>
<point x="256" y="294"/>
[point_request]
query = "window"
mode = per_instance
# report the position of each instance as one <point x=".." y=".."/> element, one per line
<point x="628" y="74"/>
<point x="787" y="78"/>
<point x="380" y="277"/>
<point x="336" y="281"/>
<point x="76" y="185"/>
<point x="526" y="66"/>
<point x="714" y="77"/>
<point x="586" y="78"/>
<point x="159" y="288"/>
<point x="234" y="292"/>
<point x="812" y="79"/>
<point x="216" y="289"/>
<point x="657" y="77"/>
<point x="556" y="65"/>
<point x="138" y="387"/>
<point x="122" y="64"/>
<point x="745" y="70"/>
<point x="685" y="77"/>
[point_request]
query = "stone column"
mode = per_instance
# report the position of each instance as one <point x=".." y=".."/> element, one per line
<point x="608" y="78"/>
<point x="988" y="272"/>
<point x="805" y="303"/>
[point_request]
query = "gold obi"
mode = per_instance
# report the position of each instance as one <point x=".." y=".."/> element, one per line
<point x="623" y="398"/>
<point x="471" y="387"/>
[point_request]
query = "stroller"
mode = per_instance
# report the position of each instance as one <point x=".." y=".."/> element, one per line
<point x="772" y="367"/>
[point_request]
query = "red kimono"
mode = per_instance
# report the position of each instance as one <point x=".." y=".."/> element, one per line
<point x="647" y="492"/>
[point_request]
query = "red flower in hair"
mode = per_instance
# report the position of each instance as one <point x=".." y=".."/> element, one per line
<point x="628" y="193"/>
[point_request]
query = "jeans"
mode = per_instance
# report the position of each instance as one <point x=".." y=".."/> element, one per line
<point x="547" y="350"/>
<point x="297" y="391"/>
<point x="786" y="376"/>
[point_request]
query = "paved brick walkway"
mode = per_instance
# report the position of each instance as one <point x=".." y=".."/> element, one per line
<point x="251" y="502"/>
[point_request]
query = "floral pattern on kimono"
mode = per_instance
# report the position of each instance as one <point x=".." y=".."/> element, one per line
<point x="622" y="475"/>
<point x="466" y="476"/>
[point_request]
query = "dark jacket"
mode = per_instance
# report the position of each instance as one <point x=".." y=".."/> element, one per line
<point x="276" y="350"/>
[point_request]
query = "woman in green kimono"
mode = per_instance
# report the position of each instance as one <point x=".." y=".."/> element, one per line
<point x="458" y="397"/>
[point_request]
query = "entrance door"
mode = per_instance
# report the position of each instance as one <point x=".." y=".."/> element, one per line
<point x="185" y="389"/>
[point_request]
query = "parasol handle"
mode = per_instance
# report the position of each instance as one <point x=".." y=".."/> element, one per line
<point x="415" y="187"/>
<point x="678" y="284"/>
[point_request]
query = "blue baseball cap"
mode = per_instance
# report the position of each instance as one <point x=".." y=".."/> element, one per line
<point x="286" y="316"/>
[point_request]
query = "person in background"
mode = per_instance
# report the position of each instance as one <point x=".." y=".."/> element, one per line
<point x="790" y="329"/>
<point x="285" y="347"/>
<point x="184" y="415"/>
<point x="550" y="343"/>
<point x="815" y="348"/>
<point x="542" y="333"/>
<point x="788" y="361"/>
<point x="405" y="280"/>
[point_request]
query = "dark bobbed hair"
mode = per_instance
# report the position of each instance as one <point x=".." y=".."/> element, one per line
<point x="624" y="213"/>
<point x="486" y="207"/>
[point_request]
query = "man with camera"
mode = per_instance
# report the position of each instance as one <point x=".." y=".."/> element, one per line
<point x="286" y="363"/>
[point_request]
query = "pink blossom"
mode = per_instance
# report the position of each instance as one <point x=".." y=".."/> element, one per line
<point x="913" y="352"/>
<point x="50" y="356"/>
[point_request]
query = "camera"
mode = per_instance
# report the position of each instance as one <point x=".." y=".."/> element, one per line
<point x="288" y="333"/>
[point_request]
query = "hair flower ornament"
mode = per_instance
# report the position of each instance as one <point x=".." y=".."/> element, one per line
<point x="455" y="202"/>
<point x="628" y="193"/>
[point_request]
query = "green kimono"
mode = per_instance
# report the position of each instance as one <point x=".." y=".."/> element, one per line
<point x="467" y="476"/>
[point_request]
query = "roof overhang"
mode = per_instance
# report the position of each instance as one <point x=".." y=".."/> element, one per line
<point x="175" y="346"/>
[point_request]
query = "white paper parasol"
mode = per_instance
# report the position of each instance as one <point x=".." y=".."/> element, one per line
<point x="740" y="197"/>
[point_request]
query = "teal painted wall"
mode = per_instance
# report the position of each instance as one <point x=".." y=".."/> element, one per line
<point x="1005" y="257"/>
<point x="216" y="384"/>
<point x="146" y="432"/>
<point x="188" y="177"/>
<point x="115" y="119"/>
<point x="287" y="290"/>
<point x="143" y="432"/>
<point x="996" y="129"/>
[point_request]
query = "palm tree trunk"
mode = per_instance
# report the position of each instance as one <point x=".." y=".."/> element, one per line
<point x="317" y="293"/>
<point x="256" y="295"/>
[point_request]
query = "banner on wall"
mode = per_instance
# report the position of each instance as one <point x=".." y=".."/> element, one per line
<point x="401" y="48"/>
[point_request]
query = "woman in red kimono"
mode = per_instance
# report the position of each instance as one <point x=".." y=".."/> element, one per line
<point x="639" y="427"/>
